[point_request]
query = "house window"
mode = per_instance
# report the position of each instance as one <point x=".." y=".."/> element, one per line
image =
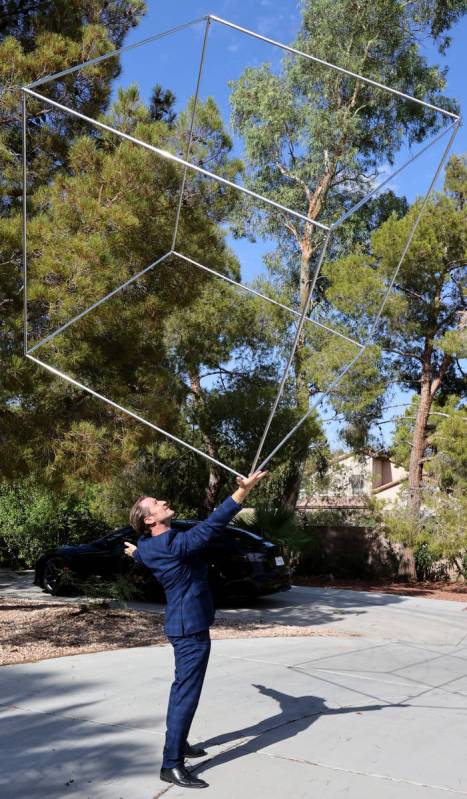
<point x="382" y="472"/>
<point x="357" y="484"/>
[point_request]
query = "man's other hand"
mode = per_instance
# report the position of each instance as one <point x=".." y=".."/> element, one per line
<point x="129" y="548"/>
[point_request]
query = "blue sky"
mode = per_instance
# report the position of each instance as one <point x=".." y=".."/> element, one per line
<point x="173" y="61"/>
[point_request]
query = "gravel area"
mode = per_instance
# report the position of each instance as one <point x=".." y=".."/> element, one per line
<point x="31" y="631"/>
<point x="456" y="592"/>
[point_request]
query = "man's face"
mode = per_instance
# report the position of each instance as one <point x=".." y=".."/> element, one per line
<point x="158" y="511"/>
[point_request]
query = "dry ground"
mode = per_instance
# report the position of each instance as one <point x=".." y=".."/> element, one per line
<point x="31" y="630"/>
<point x="456" y="592"/>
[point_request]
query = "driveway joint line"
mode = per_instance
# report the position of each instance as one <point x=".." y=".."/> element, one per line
<point x="360" y="676"/>
<point x="358" y="772"/>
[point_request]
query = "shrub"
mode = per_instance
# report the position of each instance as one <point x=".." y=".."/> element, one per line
<point x="120" y="587"/>
<point x="34" y="518"/>
<point x="427" y="563"/>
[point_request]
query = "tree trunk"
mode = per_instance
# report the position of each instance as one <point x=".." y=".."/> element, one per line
<point x="293" y="480"/>
<point x="308" y="244"/>
<point x="407" y="570"/>
<point x="419" y="440"/>
<point x="209" y="500"/>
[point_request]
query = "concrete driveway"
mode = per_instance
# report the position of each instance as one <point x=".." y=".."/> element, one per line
<point x="383" y="715"/>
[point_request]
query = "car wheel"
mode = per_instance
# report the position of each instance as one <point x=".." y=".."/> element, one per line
<point x="52" y="575"/>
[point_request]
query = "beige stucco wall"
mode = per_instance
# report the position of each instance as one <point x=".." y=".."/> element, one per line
<point x="347" y="475"/>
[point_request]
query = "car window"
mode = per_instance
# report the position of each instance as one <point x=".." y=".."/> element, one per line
<point x="244" y="537"/>
<point x="117" y="536"/>
<point x="248" y="534"/>
<point x="245" y="541"/>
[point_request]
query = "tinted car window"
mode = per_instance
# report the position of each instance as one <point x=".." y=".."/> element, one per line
<point x="116" y="536"/>
<point x="245" y="538"/>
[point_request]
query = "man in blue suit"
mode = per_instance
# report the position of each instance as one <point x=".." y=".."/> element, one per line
<point x="175" y="558"/>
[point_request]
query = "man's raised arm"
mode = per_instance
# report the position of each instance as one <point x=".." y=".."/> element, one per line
<point x="203" y="533"/>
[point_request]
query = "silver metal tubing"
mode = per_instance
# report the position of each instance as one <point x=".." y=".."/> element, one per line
<point x="333" y="66"/>
<point x="114" y="53"/>
<point x="389" y="178"/>
<point x="23" y="228"/>
<point x="129" y="413"/>
<point x="255" y="35"/>
<point x="96" y="304"/>
<point x="368" y="340"/>
<point x="175" y="158"/>
<point x="265" y="297"/>
<point x="292" y="353"/>
<point x="192" y="124"/>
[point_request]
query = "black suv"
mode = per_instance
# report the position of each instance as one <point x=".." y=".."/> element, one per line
<point x="241" y="564"/>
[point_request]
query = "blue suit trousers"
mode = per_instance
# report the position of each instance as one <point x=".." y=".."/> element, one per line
<point x="191" y="659"/>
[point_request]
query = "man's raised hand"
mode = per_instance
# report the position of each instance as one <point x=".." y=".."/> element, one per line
<point x="246" y="484"/>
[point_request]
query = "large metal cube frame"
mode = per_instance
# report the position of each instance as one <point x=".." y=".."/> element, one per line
<point x="328" y="230"/>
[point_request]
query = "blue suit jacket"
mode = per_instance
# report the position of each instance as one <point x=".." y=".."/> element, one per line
<point x="174" y="559"/>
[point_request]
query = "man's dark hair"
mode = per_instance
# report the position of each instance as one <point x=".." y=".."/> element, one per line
<point x="138" y="513"/>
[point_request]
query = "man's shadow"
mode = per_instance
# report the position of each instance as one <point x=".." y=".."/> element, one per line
<point x="299" y="711"/>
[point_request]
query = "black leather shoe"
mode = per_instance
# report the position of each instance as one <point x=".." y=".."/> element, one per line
<point x="180" y="776"/>
<point x="193" y="751"/>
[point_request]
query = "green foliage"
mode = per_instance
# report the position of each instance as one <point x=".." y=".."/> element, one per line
<point x="369" y="517"/>
<point x="35" y="40"/>
<point x="441" y="524"/>
<point x="33" y="519"/>
<point x="174" y="346"/>
<point x="42" y="38"/>
<point x="313" y="152"/>
<point x="427" y="564"/>
<point x="92" y="226"/>
<point x="443" y="520"/>
<point x="446" y="465"/>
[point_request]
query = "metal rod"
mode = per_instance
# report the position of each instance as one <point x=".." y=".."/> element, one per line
<point x="192" y="125"/>
<point x="96" y="304"/>
<point x="292" y="353"/>
<point x="333" y="66"/>
<point x="23" y="229"/>
<point x="175" y="158"/>
<point x="375" y="323"/>
<point x="265" y="297"/>
<point x="114" y="53"/>
<point x="255" y="35"/>
<point x="368" y="196"/>
<point x="129" y="413"/>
